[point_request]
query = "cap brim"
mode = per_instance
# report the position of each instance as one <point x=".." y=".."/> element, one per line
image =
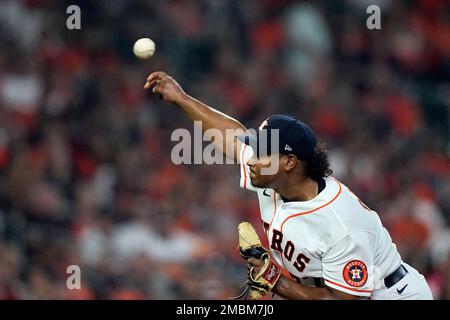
<point x="254" y="142"/>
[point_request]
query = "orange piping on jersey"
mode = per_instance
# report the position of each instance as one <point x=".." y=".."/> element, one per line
<point x="309" y="211"/>
<point x="348" y="288"/>
<point x="274" y="207"/>
<point x="357" y="198"/>
<point x="243" y="167"/>
<point x="337" y="181"/>
<point x="333" y="178"/>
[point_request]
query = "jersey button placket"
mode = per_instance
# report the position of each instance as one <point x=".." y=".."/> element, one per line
<point x="278" y="218"/>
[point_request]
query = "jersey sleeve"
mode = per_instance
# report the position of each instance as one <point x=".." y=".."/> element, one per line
<point x="348" y="265"/>
<point x="245" y="154"/>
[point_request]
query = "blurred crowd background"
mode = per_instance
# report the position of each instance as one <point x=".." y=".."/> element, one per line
<point x="86" y="176"/>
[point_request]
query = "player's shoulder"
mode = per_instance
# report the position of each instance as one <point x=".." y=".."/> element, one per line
<point x="352" y="214"/>
<point x="344" y="215"/>
<point x="332" y="183"/>
<point x="347" y="202"/>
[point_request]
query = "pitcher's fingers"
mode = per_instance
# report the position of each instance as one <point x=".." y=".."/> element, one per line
<point x="152" y="76"/>
<point x="163" y="81"/>
<point x="157" y="74"/>
<point x="156" y="89"/>
<point x="151" y="83"/>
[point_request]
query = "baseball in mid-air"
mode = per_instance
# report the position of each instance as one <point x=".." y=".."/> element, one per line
<point x="144" y="48"/>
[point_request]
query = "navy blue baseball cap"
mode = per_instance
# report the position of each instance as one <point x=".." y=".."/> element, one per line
<point x="295" y="137"/>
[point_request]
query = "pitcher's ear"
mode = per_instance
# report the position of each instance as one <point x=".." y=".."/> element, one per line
<point x="291" y="162"/>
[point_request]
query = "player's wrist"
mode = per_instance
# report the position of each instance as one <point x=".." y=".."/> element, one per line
<point x="183" y="100"/>
<point x="281" y="285"/>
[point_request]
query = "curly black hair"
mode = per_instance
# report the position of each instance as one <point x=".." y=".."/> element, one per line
<point x="319" y="165"/>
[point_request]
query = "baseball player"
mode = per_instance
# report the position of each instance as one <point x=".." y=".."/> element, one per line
<point x="325" y="243"/>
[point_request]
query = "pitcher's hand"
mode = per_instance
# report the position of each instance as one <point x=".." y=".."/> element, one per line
<point x="165" y="86"/>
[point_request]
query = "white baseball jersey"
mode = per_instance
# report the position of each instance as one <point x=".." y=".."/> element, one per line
<point x="333" y="238"/>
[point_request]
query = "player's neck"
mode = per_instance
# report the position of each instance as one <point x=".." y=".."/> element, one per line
<point x="301" y="189"/>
